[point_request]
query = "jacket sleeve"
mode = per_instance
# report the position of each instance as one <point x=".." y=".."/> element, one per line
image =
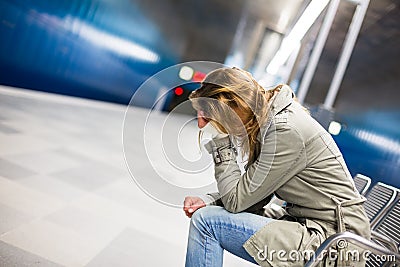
<point x="282" y="156"/>
<point x="214" y="199"/>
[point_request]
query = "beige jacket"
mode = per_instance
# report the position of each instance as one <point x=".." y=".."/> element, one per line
<point x="299" y="162"/>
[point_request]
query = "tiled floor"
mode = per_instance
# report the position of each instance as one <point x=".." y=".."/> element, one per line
<point x="66" y="196"/>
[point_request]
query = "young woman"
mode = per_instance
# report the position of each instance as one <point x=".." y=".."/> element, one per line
<point x="288" y="154"/>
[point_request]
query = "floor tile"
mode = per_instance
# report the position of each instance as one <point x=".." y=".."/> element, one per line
<point x="13" y="171"/>
<point x="21" y="143"/>
<point x="45" y="161"/>
<point x="52" y="186"/>
<point x="7" y="129"/>
<point x="90" y="175"/>
<point x="143" y="214"/>
<point x="11" y="219"/>
<point x="135" y="248"/>
<point x="11" y="256"/>
<point x="86" y="223"/>
<point x="26" y="200"/>
<point x="56" y="243"/>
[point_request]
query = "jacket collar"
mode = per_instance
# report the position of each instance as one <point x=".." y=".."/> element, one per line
<point x="281" y="101"/>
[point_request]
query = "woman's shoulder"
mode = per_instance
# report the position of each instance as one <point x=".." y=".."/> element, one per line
<point x="299" y="118"/>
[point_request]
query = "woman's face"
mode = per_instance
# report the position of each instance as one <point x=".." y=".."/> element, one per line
<point x="201" y="119"/>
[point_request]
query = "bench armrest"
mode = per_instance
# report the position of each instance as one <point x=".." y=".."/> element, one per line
<point x="389" y="243"/>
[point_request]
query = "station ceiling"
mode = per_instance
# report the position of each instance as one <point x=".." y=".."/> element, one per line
<point x="204" y="30"/>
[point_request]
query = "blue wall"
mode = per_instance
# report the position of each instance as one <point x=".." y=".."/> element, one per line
<point x="370" y="143"/>
<point x="90" y="48"/>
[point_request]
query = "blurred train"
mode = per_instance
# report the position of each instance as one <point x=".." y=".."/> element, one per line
<point x="105" y="50"/>
<point x="88" y="48"/>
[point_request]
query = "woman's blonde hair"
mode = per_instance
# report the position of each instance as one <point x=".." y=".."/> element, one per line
<point x="235" y="104"/>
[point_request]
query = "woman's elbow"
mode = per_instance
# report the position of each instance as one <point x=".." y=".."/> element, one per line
<point x="233" y="206"/>
<point x="232" y="210"/>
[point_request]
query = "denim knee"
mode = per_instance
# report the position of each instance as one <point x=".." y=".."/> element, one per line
<point x="202" y="219"/>
<point x="206" y="214"/>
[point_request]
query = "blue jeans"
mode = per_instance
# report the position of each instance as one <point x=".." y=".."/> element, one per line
<point x="213" y="229"/>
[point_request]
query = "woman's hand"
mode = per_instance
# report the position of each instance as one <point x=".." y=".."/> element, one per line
<point x="191" y="204"/>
